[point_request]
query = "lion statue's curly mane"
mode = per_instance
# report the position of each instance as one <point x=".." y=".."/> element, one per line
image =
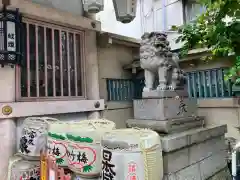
<point x="157" y="59"/>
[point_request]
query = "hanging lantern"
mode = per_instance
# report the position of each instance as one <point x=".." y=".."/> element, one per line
<point x="93" y="6"/>
<point x="10" y="32"/>
<point x="125" y="10"/>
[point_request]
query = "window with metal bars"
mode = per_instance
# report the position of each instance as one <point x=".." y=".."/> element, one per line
<point x="192" y="10"/>
<point x="53" y="62"/>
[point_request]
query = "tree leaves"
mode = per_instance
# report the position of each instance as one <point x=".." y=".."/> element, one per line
<point x="217" y="29"/>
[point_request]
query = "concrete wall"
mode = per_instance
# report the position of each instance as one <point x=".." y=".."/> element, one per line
<point x="75" y="7"/>
<point x="111" y="60"/>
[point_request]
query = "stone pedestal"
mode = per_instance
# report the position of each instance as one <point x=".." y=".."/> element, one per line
<point x="190" y="150"/>
<point x="166" y="112"/>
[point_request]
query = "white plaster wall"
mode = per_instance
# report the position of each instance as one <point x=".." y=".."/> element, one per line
<point x="150" y="16"/>
<point x="8" y="126"/>
<point x="111" y="60"/>
<point x="110" y="24"/>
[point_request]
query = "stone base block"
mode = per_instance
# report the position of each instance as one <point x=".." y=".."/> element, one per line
<point x="168" y="126"/>
<point x="164" y="94"/>
<point x="165" y="108"/>
<point x="195" y="154"/>
<point x="224" y="174"/>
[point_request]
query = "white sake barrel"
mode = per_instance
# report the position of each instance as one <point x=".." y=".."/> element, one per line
<point x="23" y="170"/>
<point x="57" y="142"/>
<point x="84" y="149"/>
<point x="77" y="177"/>
<point x="34" y="137"/>
<point x="132" y="154"/>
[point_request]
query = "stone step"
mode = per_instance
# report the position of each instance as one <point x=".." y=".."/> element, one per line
<point x="172" y="142"/>
<point x="194" y="154"/>
<point x="168" y="126"/>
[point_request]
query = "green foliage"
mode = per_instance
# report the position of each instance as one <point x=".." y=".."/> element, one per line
<point x="217" y="29"/>
<point x="87" y="168"/>
<point x="79" y="139"/>
<point x="59" y="161"/>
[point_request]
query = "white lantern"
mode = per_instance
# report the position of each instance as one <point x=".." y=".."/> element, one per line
<point x="93" y="6"/>
<point x="125" y="10"/>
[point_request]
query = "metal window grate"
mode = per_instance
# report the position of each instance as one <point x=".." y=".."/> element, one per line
<point x="53" y="62"/>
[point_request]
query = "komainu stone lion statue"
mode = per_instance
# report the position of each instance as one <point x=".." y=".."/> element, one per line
<point x="157" y="59"/>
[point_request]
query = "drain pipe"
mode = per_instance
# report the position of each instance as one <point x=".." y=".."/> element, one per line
<point x="235" y="163"/>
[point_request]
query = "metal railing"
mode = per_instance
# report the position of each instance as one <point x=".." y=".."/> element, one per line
<point x="120" y="89"/>
<point x="208" y="84"/>
<point x="201" y="84"/>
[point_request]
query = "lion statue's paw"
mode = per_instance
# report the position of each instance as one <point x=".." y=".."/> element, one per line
<point x="170" y="87"/>
<point x="162" y="87"/>
<point x="145" y="89"/>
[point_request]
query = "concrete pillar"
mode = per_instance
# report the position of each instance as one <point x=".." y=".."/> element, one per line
<point x="92" y="75"/>
<point x="7" y="126"/>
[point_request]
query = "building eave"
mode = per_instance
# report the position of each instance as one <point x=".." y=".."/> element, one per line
<point x="105" y="38"/>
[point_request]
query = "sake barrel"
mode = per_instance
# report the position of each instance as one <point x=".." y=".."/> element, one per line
<point x="84" y="149"/>
<point x="23" y="170"/>
<point x="57" y="142"/>
<point x="77" y="177"/>
<point x="34" y="137"/>
<point x="132" y="154"/>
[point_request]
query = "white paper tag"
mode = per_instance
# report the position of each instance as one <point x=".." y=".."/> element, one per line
<point x="51" y="174"/>
<point x="122" y="165"/>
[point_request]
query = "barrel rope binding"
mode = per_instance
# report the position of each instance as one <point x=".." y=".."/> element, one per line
<point x="145" y="152"/>
<point x="10" y="167"/>
<point x="145" y="161"/>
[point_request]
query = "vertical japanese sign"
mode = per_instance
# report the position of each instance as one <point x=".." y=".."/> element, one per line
<point x="108" y="172"/>
<point x="43" y="168"/>
<point x="119" y="164"/>
<point x="132" y="171"/>
<point x="28" y="141"/>
<point x="11" y="36"/>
